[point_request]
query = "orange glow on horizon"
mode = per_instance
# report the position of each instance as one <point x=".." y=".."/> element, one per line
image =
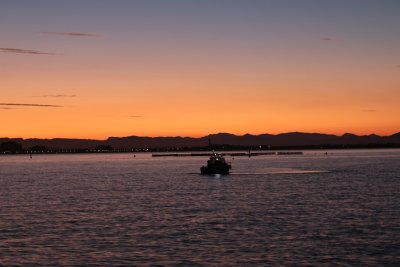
<point x="178" y="77"/>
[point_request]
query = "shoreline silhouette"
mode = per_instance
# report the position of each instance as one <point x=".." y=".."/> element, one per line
<point x="220" y="141"/>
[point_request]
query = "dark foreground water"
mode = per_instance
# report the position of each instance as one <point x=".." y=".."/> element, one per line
<point x="342" y="209"/>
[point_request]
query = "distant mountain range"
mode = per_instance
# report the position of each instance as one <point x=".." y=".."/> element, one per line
<point x="293" y="139"/>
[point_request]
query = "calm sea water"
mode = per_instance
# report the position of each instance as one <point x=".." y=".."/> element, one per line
<point x="342" y="209"/>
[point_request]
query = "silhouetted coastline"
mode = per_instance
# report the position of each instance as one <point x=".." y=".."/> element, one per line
<point x="221" y="141"/>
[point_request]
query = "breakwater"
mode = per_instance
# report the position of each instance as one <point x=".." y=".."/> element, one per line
<point x="233" y="154"/>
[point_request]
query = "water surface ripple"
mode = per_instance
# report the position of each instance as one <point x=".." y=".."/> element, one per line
<point x="116" y="210"/>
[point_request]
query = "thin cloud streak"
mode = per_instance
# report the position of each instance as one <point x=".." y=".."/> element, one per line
<point x="73" y="34"/>
<point x="136" y="116"/>
<point x="25" y="51"/>
<point x="29" y="105"/>
<point x="327" y="39"/>
<point x="56" y="96"/>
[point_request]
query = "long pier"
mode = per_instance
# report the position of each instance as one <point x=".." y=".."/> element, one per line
<point x="233" y="154"/>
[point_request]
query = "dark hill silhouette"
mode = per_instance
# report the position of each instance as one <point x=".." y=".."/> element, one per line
<point x="292" y="139"/>
<point x="396" y="135"/>
<point x="154" y="142"/>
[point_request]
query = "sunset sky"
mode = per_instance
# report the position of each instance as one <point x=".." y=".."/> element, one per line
<point x="97" y="68"/>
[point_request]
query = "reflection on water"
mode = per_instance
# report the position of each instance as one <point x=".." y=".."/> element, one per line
<point x="116" y="209"/>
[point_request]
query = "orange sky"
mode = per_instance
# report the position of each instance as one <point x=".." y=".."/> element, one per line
<point x="179" y="75"/>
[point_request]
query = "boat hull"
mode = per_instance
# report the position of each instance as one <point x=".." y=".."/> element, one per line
<point x="215" y="170"/>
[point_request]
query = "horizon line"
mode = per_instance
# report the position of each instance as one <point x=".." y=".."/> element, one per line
<point x="198" y="137"/>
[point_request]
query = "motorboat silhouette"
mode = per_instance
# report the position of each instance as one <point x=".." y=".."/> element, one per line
<point x="216" y="165"/>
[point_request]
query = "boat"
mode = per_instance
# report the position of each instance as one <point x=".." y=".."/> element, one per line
<point x="216" y="165"/>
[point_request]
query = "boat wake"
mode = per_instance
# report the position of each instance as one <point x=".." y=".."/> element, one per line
<point x="278" y="171"/>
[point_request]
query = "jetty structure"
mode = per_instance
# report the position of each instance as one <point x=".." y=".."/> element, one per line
<point x="233" y="154"/>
